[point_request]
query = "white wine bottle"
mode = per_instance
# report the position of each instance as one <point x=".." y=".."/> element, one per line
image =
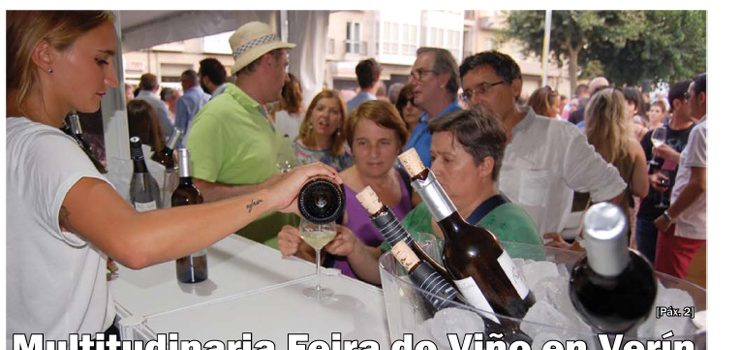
<point x="194" y="267"/>
<point x="612" y="287"/>
<point x="143" y="190"/>
<point x="483" y="271"/>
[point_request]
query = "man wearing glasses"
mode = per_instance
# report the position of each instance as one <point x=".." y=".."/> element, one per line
<point x="546" y="159"/>
<point x="435" y="83"/>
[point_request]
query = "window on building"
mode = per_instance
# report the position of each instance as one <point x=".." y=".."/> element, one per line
<point x="352" y="42"/>
<point x="408" y="39"/>
<point x="453" y="40"/>
<point x="390" y="38"/>
<point x="399" y="39"/>
<point x="437" y="37"/>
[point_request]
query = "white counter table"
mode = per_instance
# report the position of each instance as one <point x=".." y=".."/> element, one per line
<point x="250" y="288"/>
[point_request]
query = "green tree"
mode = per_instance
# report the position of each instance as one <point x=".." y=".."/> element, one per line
<point x="629" y="46"/>
<point x="671" y="47"/>
<point x="572" y="32"/>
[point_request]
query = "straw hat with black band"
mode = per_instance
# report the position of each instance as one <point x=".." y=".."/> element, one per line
<point x="253" y="40"/>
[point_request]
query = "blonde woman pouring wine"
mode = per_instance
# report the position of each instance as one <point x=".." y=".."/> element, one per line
<point x="66" y="218"/>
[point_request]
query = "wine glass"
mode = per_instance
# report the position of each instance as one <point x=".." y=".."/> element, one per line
<point x="317" y="236"/>
<point x="658" y="138"/>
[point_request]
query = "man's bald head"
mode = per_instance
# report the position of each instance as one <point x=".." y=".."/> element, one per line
<point x="596" y="83"/>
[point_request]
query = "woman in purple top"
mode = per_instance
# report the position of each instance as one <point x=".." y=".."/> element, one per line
<point x="376" y="133"/>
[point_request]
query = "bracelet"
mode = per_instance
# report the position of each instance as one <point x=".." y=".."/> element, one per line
<point x="667" y="216"/>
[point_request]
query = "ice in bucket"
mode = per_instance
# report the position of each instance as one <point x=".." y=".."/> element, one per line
<point x="553" y="317"/>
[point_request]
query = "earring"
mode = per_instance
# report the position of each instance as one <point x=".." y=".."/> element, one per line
<point x="50" y="70"/>
<point x="310" y="126"/>
<point x="339" y="132"/>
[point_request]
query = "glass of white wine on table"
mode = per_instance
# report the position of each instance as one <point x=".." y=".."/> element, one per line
<point x="317" y="236"/>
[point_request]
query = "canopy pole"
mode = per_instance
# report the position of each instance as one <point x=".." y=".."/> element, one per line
<point x="546" y="47"/>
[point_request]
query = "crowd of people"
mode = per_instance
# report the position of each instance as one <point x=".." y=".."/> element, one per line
<point x="530" y="168"/>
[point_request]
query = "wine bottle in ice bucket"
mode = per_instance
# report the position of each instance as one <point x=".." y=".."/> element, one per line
<point x="612" y="287"/>
<point x="483" y="271"/>
<point x="438" y="288"/>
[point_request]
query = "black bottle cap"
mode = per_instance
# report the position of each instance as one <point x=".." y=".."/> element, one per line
<point x="136" y="151"/>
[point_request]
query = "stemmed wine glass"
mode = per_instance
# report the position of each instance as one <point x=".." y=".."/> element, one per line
<point x="658" y="138"/>
<point x="317" y="236"/>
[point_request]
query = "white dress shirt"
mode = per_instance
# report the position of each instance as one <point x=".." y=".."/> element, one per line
<point x="545" y="162"/>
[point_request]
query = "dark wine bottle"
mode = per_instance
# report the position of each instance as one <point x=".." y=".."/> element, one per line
<point x="321" y="201"/>
<point x="388" y="225"/>
<point x="143" y="190"/>
<point x="72" y="127"/>
<point x="438" y="288"/>
<point x="483" y="271"/>
<point x="166" y="157"/>
<point x="612" y="287"/>
<point x="194" y="267"/>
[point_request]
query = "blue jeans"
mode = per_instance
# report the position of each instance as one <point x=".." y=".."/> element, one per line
<point x="647" y="236"/>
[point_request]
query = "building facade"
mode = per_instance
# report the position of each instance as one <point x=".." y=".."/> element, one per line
<point x="391" y="37"/>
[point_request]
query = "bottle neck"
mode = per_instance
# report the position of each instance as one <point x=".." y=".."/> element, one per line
<point x="140" y="165"/>
<point x="184" y="164"/>
<point x="186" y="181"/>
<point x="74" y="124"/>
<point x="167" y="152"/>
<point x="434" y="196"/>
<point x="172" y="141"/>
<point x="390" y="227"/>
<point x="452" y="226"/>
<point x="607" y="257"/>
<point x="605" y="228"/>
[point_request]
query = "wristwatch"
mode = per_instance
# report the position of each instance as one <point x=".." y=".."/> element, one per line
<point x="667" y="216"/>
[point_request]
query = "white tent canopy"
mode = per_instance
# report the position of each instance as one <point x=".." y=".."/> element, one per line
<point x="307" y="29"/>
<point x="144" y="29"/>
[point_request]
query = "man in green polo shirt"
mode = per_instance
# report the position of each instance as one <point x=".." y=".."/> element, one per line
<point x="233" y="145"/>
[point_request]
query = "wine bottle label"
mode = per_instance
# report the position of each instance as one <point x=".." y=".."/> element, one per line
<point x="405" y="255"/>
<point x="369" y="200"/>
<point x="469" y="289"/>
<point x="146" y="206"/>
<point x="516" y="278"/>
<point x="411" y="162"/>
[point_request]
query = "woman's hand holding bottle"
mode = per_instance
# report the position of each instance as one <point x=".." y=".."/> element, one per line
<point x="285" y="191"/>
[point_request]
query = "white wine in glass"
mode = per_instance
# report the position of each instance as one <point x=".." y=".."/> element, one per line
<point x="317" y="236"/>
<point x="658" y="138"/>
